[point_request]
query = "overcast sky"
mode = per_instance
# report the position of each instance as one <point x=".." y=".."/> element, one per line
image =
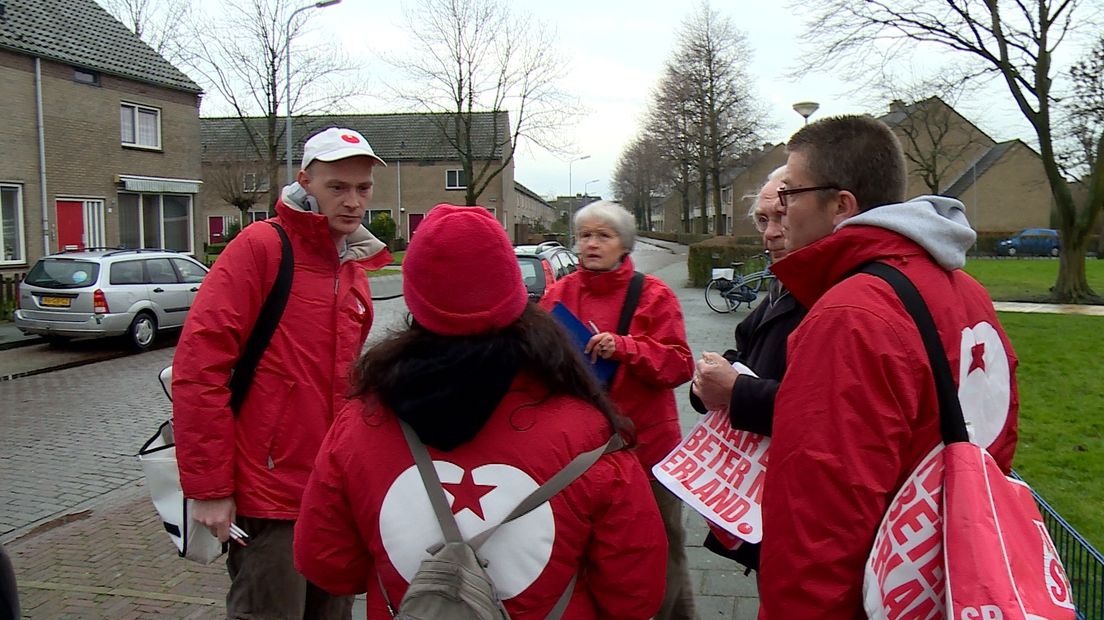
<point x="616" y="50"/>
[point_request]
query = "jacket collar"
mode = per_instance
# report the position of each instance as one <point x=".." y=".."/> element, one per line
<point x="361" y="245"/>
<point x="810" y="271"/>
<point x="607" y="281"/>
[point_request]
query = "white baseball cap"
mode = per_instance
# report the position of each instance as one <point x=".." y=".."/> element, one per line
<point x="334" y="144"/>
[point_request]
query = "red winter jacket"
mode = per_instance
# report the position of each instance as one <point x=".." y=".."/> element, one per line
<point x="263" y="456"/>
<point x="366" y="512"/>
<point x="654" y="357"/>
<point x="857" y="410"/>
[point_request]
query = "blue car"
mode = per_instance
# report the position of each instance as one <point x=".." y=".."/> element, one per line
<point x="1030" y="242"/>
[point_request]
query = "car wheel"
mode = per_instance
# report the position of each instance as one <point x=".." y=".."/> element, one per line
<point x="1054" y="251"/>
<point x="142" y="331"/>
<point x="1011" y="251"/>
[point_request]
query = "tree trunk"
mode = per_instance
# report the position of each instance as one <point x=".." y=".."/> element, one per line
<point x="1072" y="286"/>
<point x="718" y="208"/>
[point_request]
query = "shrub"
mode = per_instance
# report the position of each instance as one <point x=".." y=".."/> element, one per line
<point x="719" y="252"/>
<point x="383" y="227"/>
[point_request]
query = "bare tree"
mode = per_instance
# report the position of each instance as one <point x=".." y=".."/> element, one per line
<point x="676" y="129"/>
<point x="710" y="58"/>
<point x="157" y="22"/>
<point x="938" y="142"/>
<point x="240" y="56"/>
<point x="238" y="183"/>
<point x="640" y="176"/>
<point x="472" y="56"/>
<point x="1014" y="41"/>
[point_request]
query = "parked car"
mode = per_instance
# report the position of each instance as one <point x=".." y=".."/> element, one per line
<point x="1030" y="242"/>
<point x="108" y="292"/>
<point x="541" y="267"/>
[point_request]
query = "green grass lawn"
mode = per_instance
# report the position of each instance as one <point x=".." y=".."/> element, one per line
<point x="1027" y="279"/>
<point x="1061" y="446"/>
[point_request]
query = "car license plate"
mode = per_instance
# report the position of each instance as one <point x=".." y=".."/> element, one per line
<point x="55" y="302"/>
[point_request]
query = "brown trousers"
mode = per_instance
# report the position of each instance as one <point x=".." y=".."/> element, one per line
<point x="678" y="600"/>
<point x="264" y="584"/>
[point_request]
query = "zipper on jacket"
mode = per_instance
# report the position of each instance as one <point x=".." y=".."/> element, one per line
<point x="271" y="463"/>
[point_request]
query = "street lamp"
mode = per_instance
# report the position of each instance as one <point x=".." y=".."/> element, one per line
<point x="806" y="109"/>
<point x="570" y="192"/>
<point x="586" y="192"/>
<point x="321" y="4"/>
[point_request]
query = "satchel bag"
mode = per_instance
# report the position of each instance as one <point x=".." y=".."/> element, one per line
<point x="158" y="454"/>
<point x="960" y="539"/>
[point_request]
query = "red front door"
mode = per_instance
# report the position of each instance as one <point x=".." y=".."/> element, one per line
<point x="214" y="225"/>
<point x="413" y="220"/>
<point x="70" y="225"/>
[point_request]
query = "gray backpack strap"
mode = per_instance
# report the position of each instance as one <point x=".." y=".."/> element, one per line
<point x="432" y="483"/>
<point x="554" y="485"/>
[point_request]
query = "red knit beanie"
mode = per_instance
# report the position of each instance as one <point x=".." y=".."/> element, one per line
<point x="460" y="274"/>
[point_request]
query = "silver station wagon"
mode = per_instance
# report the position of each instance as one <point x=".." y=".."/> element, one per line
<point x="108" y="292"/>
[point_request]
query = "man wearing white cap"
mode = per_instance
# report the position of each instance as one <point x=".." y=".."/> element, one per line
<point x="246" y="466"/>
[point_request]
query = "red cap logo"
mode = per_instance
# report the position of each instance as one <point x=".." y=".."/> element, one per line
<point x="351" y="139"/>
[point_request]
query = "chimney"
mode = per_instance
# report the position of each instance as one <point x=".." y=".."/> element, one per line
<point x="896" y="106"/>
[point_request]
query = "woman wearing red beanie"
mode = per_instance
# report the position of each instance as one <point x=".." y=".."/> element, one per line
<point x="653" y="356"/>
<point x="490" y="385"/>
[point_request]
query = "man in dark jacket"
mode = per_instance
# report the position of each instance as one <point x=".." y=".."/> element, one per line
<point x="761" y="346"/>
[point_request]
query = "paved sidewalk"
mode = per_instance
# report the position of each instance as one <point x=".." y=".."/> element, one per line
<point x="108" y="557"/>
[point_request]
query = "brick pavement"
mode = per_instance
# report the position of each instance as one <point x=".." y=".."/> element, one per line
<point x="86" y="543"/>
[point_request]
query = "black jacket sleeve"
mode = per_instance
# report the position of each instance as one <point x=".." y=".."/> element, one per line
<point x="752" y="405"/>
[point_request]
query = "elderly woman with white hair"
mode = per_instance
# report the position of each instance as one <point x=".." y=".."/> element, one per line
<point x="652" y="354"/>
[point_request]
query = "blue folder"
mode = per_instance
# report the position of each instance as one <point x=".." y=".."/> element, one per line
<point x="580" y="335"/>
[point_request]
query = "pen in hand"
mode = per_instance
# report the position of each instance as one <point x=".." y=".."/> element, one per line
<point x="238" y="535"/>
<point x="593" y="326"/>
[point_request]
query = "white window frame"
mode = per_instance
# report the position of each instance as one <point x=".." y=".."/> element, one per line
<point x="135" y="109"/>
<point x="142" y="196"/>
<point x="453" y="176"/>
<point x="253" y="213"/>
<point x="21" y="258"/>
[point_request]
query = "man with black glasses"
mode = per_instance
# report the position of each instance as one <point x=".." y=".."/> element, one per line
<point x="761" y="346"/>
<point x="857" y="409"/>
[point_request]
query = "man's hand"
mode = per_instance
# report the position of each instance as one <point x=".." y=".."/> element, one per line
<point x="215" y="514"/>
<point x="713" y="381"/>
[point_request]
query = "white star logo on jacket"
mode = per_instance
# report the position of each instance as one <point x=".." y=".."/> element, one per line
<point x="480" y="498"/>
<point x="984" y="383"/>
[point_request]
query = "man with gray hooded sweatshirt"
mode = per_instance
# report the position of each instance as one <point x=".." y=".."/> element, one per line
<point x="857" y="409"/>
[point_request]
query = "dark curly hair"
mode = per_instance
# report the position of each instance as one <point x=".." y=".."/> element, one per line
<point x="419" y="374"/>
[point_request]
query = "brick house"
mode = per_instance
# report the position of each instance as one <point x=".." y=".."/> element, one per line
<point x="1003" y="185"/>
<point x="100" y="139"/>
<point x="423" y="169"/>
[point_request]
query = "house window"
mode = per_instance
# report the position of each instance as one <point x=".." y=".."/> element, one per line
<point x="253" y="182"/>
<point x="155" y="221"/>
<point x="11" y="224"/>
<point x="86" y="77"/>
<point x="140" y="126"/>
<point x="256" y="216"/>
<point x="726" y="195"/>
<point x="455" y="179"/>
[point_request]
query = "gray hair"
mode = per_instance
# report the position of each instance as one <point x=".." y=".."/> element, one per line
<point x="754" y="198"/>
<point x="613" y="214"/>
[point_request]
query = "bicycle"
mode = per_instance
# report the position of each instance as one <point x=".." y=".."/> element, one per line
<point x="728" y="289"/>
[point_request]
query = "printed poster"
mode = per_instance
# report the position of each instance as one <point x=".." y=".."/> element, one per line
<point x="719" y="471"/>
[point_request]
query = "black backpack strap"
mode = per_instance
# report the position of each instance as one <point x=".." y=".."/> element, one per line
<point x="269" y="318"/>
<point x="632" y="298"/>
<point x="952" y="425"/>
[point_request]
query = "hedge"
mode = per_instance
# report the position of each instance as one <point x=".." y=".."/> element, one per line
<point x="719" y="252"/>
